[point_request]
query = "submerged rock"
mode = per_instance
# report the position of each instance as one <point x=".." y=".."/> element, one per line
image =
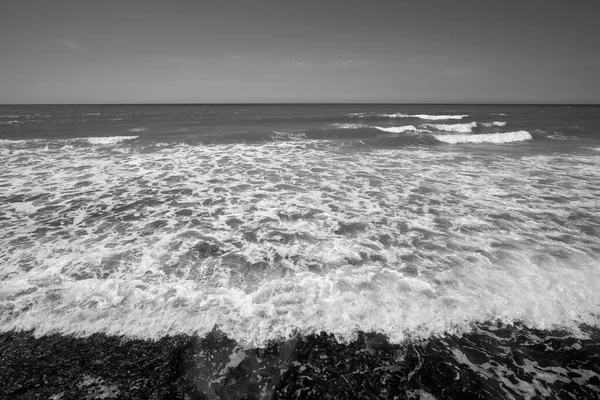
<point x="206" y="249"/>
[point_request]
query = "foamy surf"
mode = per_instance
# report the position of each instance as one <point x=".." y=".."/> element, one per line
<point x="462" y="128"/>
<point x="494" y="123"/>
<point x="272" y="240"/>
<point x="348" y="126"/>
<point x="100" y="140"/>
<point x="397" y="129"/>
<point x="506" y="137"/>
<point x="107" y="139"/>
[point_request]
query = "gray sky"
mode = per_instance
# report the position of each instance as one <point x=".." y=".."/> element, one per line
<point x="79" y="51"/>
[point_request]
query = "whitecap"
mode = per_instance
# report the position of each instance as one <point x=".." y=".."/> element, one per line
<point x="495" y="123"/>
<point x="348" y="126"/>
<point x="396" y="129"/>
<point x="107" y="139"/>
<point x="138" y="129"/>
<point x="505" y="137"/>
<point x="461" y="128"/>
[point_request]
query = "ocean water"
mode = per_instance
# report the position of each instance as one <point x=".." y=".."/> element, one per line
<point x="433" y="225"/>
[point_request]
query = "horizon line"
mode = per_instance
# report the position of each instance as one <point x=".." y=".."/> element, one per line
<point x="301" y="103"/>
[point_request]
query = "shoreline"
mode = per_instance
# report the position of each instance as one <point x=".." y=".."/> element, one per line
<point x="314" y="366"/>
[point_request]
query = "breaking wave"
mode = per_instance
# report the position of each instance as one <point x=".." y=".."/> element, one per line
<point x="396" y="129"/>
<point x="90" y="140"/>
<point x="275" y="239"/>
<point x="108" y="139"/>
<point x="495" y="123"/>
<point x="461" y="128"/>
<point x="400" y="115"/>
<point x="349" y="126"/>
<point x="505" y="137"/>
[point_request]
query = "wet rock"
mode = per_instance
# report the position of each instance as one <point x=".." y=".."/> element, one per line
<point x="206" y="249"/>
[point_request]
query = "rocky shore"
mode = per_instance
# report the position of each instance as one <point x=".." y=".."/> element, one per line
<point x="491" y="363"/>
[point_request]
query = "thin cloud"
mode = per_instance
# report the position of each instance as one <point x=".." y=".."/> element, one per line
<point x="348" y="63"/>
<point x="72" y="45"/>
<point x="296" y="64"/>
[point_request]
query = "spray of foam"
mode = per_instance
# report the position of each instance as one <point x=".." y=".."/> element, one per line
<point x="405" y="242"/>
<point x="505" y="137"/>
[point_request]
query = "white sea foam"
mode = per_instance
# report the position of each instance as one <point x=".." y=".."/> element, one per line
<point x="405" y="242"/>
<point x="348" y="126"/>
<point x="396" y="129"/>
<point x="495" y="123"/>
<point x="11" y="142"/>
<point x="505" y="137"/>
<point x="138" y="129"/>
<point x="462" y="128"/>
<point x="401" y="115"/>
<point x="108" y="139"/>
<point x="437" y="117"/>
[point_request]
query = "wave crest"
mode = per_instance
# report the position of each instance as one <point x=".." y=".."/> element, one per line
<point x="505" y="137"/>
<point x="429" y="117"/>
<point x="108" y="139"/>
<point x="461" y="128"/>
<point x="396" y="129"/>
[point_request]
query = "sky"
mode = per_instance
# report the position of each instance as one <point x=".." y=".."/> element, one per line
<point x="256" y="51"/>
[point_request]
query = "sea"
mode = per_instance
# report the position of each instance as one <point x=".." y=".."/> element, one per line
<point x="465" y="238"/>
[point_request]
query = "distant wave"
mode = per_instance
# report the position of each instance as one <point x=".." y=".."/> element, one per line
<point x="12" y="122"/>
<point x="400" y="115"/>
<point x="138" y="129"/>
<point x="90" y="140"/>
<point x="9" y="142"/>
<point x="108" y="139"/>
<point x="505" y="137"/>
<point x="276" y="135"/>
<point x="348" y="126"/>
<point x="461" y="128"/>
<point x="89" y="114"/>
<point x="495" y="123"/>
<point x="396" y="129"/>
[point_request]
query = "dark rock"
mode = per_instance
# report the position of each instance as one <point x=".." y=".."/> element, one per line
<point x="205" y="250"/>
